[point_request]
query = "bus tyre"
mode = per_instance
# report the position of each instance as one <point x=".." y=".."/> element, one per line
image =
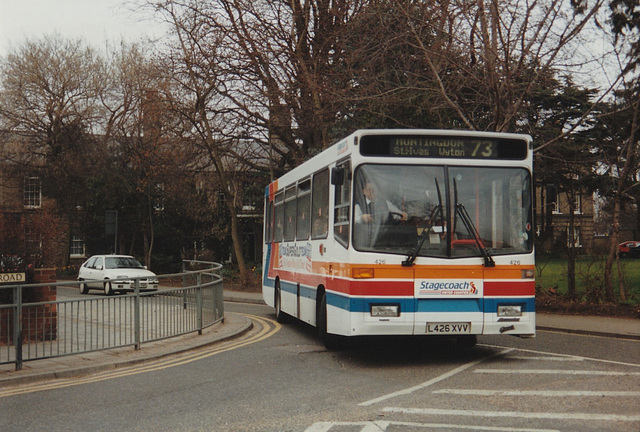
<point x="281" y="317"/>
<point x="331" y="341"/>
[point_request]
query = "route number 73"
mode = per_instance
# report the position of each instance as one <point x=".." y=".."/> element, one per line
<point x="483" y="149"/>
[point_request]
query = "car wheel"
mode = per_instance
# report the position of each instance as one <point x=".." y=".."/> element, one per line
<point x="108" y="289"/>
<point x="83" y="287"/>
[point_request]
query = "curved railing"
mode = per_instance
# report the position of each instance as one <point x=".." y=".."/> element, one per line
<point x="185" y="302"/>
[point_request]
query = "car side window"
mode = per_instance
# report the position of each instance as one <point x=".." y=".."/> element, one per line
<point x="91" y="263"/>
<point x="98" y="264"/>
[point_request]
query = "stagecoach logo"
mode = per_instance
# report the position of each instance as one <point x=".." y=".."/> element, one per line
<point x="295" y="257"/>
<point x="434" y="287"/>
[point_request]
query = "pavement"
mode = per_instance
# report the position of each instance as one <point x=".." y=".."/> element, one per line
<point x="235" y="325"/>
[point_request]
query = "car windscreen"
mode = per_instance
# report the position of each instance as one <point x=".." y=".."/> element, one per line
<point x="122" y="262"/>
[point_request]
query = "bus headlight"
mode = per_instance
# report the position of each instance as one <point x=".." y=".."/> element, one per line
<point x="385" y="311"/>
<point x="510" y="311"/>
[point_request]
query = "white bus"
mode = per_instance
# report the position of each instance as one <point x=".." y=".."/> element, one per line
<point x="405" y="232"/>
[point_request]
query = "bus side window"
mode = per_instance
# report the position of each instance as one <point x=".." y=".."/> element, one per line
<point x="268" y="232"/>
<point x="278" y="229"/>
<point x="290" y="214"/>
<point x="303" y="224"/>
<point x="342" y="206"/>
<point x="320" y="205"/>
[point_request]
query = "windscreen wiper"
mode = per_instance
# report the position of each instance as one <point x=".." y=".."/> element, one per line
<point x="413" y="254"/>
<point x="471" y="228"/>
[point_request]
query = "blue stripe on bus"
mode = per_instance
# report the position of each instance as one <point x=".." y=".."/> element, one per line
<point x="410" y="305"/>
<point x="407" y="305"/>
<point x="449" y="305"/>
<point x="292" y="288"/>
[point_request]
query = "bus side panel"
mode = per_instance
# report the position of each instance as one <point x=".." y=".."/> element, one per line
<point x="339" y="316"/>
<point x="289" y="299"/>
<point x="308" y="304"/>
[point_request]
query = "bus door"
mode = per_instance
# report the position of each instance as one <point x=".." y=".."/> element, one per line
<point x="448" y="300"/>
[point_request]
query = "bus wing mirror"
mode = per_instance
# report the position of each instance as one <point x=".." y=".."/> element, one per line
<point x="337" y="176"/>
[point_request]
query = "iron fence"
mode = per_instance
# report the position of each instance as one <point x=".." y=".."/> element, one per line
<point x="39" y="330"/>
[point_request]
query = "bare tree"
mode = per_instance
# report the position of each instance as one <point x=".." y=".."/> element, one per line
<point x="196" y="76"/>
<point x="626" y="157"/>
<point x="487" y="56"/>
<point x="139" y="136"/>
<point x="48" y="105"/>
<point x="622" y="157"/>
<point x="49" y="85"/>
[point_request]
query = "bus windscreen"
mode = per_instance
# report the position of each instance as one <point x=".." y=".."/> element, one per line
<point x="433" y="146"/>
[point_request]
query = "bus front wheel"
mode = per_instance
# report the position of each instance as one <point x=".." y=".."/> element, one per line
<point x="331" y="341"/>
<point x="281" y="317"/>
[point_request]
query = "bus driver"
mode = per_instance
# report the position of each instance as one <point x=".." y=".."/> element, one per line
<point x="371" y="213"/>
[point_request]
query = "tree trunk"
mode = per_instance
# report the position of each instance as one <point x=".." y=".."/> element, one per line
<point x="571" y="252"/>
<point x="149" y="236"/>
<point x="237" y="244"/>
<point x="613" y="249"/>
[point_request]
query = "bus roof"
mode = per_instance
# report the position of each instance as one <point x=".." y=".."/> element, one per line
<point x="345" y="147"/>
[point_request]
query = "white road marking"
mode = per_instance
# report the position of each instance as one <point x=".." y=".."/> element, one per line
<point x="547" y="358"/>
<point x="543" y="393"/>
<point x="434" y="380"/>
<point x="323" y="426"/>
<point x="381" y="426"/>
<point x="555" y="372"/>
<point x="515" y="414"/>
<point x="565" y="355"/>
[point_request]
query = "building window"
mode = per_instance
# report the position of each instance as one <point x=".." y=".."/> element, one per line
<point x="577" y="204"/>
<point x="33" y="242"/>
<point x="77" y="246"/>
<point x="574" y="240"/>
<point x="32" y="192"/>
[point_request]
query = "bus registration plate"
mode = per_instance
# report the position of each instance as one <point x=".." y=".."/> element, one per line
<point x="449" y="328"/>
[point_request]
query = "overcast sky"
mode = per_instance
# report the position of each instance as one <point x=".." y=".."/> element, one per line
<point x="94" y="21"/>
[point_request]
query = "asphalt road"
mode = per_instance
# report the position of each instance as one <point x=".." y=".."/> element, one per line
<point x="283" y="379"/>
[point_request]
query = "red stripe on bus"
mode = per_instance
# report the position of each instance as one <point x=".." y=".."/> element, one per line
<point x="509" y="288"/>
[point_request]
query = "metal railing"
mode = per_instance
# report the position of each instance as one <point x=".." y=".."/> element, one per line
<point x="39" y="330"/>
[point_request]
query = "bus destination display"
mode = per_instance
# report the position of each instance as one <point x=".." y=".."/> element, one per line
<point x="443" y="147"/>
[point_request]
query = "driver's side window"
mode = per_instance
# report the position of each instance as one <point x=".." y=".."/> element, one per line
<point x="342" y="203"/>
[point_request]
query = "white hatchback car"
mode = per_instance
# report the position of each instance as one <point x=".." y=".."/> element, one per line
<point x="99" y="271"/>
